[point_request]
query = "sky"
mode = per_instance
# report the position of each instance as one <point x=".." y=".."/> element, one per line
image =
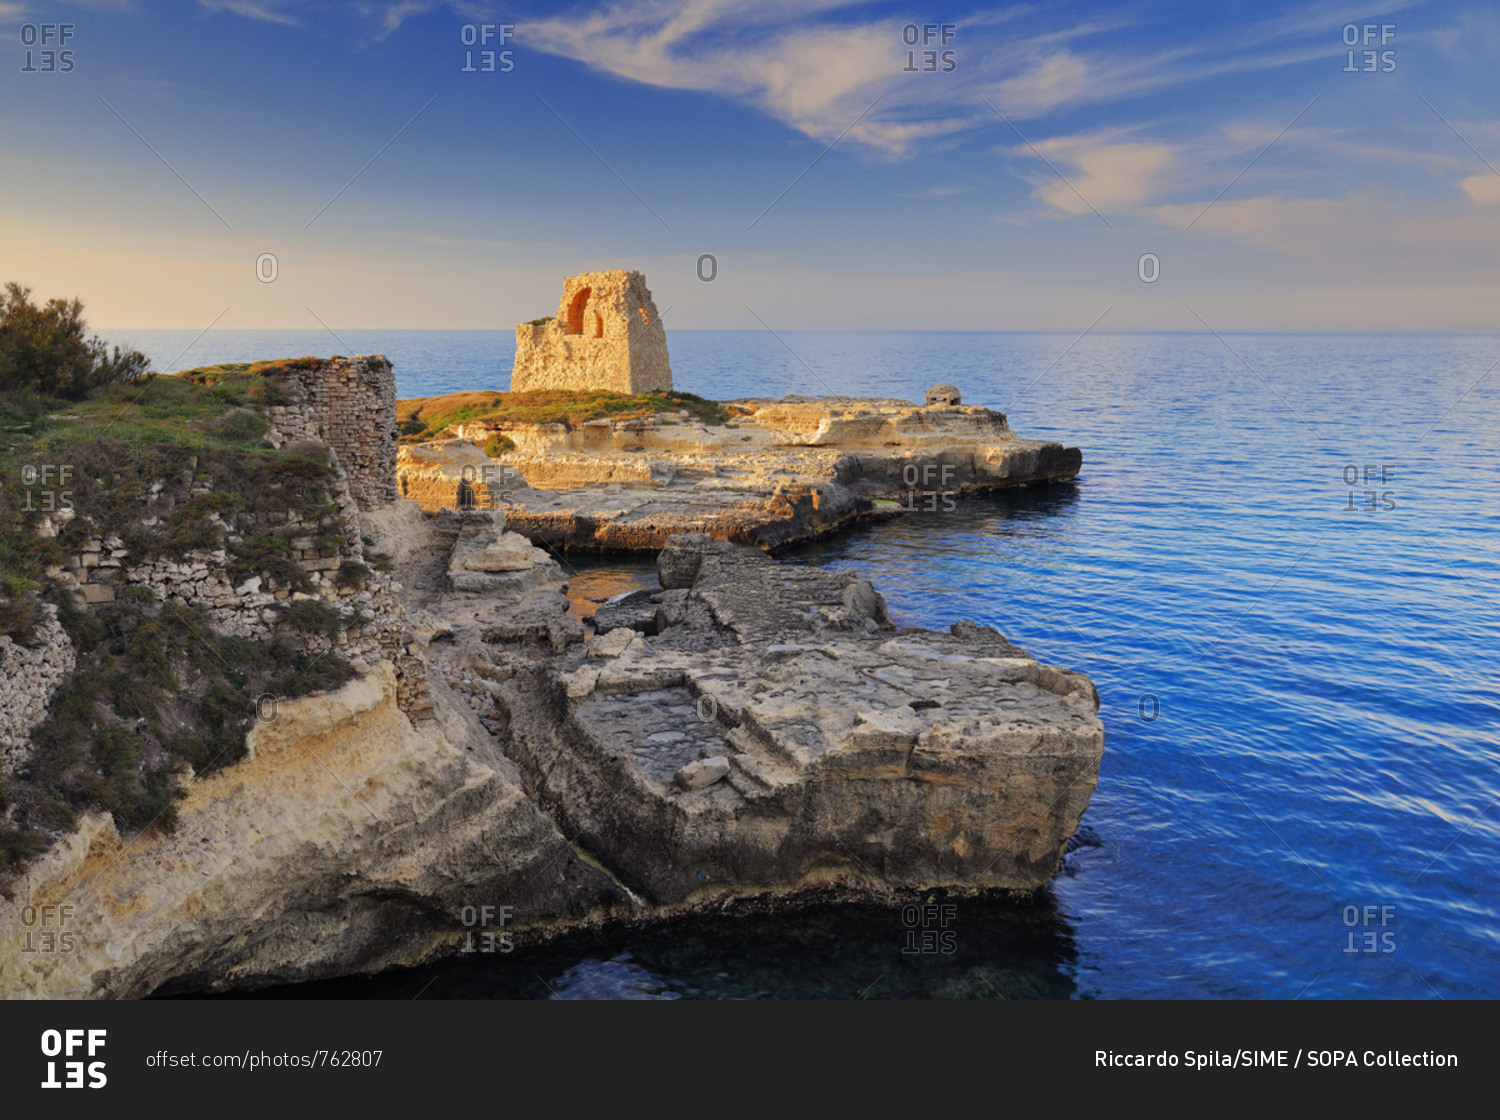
<point x="1135" y="166"/>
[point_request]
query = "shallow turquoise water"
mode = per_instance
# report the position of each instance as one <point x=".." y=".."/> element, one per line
<point x="1298" y="680"/>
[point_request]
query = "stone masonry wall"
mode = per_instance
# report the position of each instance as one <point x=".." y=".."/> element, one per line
<point x="29" y="675"/>
<point x="607" y="335"/>
<point x="377" y="627"/>
<point x="349" y="404"/>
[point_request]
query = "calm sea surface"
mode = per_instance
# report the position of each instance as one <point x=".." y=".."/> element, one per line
<point x="1279" y="564"/>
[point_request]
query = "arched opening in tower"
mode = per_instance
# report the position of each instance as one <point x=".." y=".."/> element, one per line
<point x="575" y="310"/>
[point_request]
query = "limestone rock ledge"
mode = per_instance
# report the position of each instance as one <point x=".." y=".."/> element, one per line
<point x="777" y="472"/>
<point x="348" y="841"/>
<point x="762" y="727"/>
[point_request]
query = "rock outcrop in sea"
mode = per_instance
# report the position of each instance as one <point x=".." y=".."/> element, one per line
<point x="774" y="473"/>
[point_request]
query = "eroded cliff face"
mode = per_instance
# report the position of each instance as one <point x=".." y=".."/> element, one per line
<point x="750" y="729"/>
<point x="348" y="841"/>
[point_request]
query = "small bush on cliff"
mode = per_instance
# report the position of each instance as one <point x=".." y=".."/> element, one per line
<point x="315" y="618"/>
<point x="352" y="575"/>
<point x="18" y="846"/>
<point x="498" y="445"/>
<point x="20" y="614"/>
<point x="45" y="349"/>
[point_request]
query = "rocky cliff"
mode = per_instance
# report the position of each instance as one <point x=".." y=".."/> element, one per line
<point x="748" y="730"/>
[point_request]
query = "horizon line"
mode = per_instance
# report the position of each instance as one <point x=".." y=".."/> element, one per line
<point x="1490" y="332"/>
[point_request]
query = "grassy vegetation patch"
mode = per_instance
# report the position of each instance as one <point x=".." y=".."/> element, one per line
<point x="424" y="418"/>
<point x="170" y="465"/>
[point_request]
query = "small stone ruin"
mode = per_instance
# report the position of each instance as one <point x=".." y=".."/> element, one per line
<point x="606" y="335"/>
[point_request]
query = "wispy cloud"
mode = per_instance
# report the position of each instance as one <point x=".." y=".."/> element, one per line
<point x="936" y="192"/>
<point x="1101" y="172"/>
<point x="815" y="75"/>
<point x="816" y="65"/>
<point x="389" y="17"/>
<point x="252" y="9"/>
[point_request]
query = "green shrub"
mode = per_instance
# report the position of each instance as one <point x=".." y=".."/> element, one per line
<point x="44" y="349"/>
<point x="352" y="574"/>
<point x="18" y="846"/>
<point x="315" y="618"/>
<point x="498" y="445"/>
<point x="19" y="617"/>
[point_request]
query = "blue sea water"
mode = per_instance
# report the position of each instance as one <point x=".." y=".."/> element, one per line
<point x="1280" y="566"/>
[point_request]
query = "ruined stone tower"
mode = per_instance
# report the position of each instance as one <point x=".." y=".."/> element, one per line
<point x="607" y="335"/>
